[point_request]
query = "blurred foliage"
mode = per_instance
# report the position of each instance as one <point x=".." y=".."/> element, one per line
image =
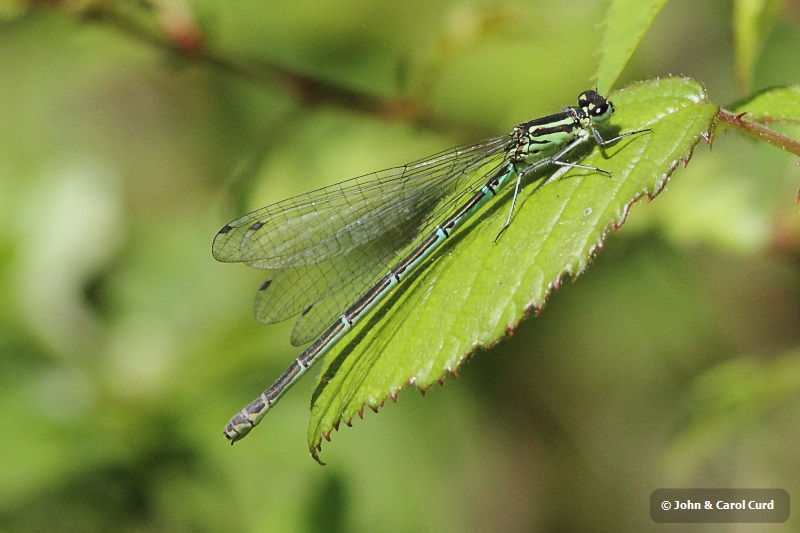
<point x="132" y="132"/>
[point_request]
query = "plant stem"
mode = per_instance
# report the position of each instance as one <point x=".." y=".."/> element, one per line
<point x="757" y="131"/>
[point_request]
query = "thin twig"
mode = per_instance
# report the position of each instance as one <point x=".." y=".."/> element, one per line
<point x="310" y="91"/>
<point x="757" y="131"/>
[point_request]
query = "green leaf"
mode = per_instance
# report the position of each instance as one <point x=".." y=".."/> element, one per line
<point x="752" y="20"/>
<point x="624" y="27"/>
<point x="473" y="291"/>
<point x="780" y="104"/>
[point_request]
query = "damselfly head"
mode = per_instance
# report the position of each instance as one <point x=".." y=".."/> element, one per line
<point x="595" y="106"/>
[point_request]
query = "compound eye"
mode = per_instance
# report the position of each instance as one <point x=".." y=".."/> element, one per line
<point x="595" y="106"/>
<point x="598" y="109"/>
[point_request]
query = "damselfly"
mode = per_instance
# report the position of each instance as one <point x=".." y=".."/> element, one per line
<point x="327" y="252"/>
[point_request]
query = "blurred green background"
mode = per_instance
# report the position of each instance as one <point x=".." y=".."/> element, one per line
<point x="124" y="347"/>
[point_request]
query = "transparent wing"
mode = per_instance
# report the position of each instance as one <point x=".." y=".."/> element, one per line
<point x="324" y="248"/>
<point x="323" y="290"/>
<point x="314" y="226"/>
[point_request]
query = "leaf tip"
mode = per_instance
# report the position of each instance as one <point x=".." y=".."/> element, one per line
<point x="315" y="450"/>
